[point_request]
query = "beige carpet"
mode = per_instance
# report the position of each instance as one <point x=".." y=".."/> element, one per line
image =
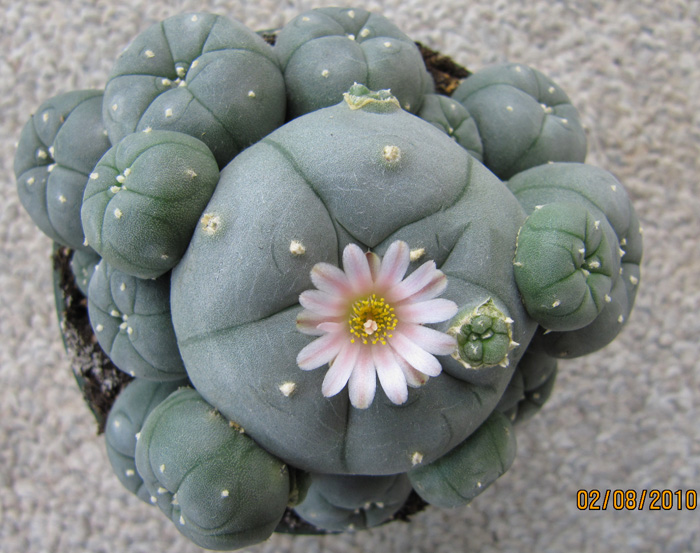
<point x="624" y="418"/>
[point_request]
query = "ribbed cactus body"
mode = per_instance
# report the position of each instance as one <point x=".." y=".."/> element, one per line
<point x="57" y="150"/>
<point x="453" y="118"/>
<point x="324" y="51"/>
<point x="144" y="198"/>
<point x="336" y="503"/>
<point x="599" y="193"/>
<point x="524" y="118"/>
<point x="216" y="484"/>
<point x="466" y="471"/>
<point x="82" y="266"/>
<point x="201" y="74"/>
<point x="132" y="322"/>
<point x="124" y="423"/>
<point x="346" y="174"/>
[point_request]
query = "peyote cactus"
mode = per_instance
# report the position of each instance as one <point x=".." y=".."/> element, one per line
<point x="324" y="51"/>
<point x="131" y="319"/>
<point x="124" y="424"/>
<point x="524" y="118"/>
<point x="338" y="319"/>
<point x="56" y="152"/>
<point x="309" y="191"/>
<point x="143" y="200"/>
<point x="170" y="77"/>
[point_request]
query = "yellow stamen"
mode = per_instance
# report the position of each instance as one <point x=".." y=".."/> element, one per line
<point x="371" y="320"/>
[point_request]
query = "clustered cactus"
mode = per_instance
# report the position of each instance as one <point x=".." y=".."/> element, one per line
<point x="336" y="286"/>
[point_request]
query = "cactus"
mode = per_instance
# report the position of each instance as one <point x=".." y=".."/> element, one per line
<point x="453" y="118"/>
<point x="599" y="193"/>
<point x="336" y="503"/>
<point x="131" y="319"/>
<point x="564" y="265"/>
<point x="307" y="191"/>
<point x="524" y="118"/>
<point x="144" y="198"/>
<point x="124" y="423"/>
<point x="218" y="487"/>
<point x="359" y="308"/>
<point x="57" y="150"/>
<point x="171" y="75"/>
<point x="466" y="471"/>
<point x="82" y="266"/>
<point x="324" y="51"/>
<point x="531" y="384"/>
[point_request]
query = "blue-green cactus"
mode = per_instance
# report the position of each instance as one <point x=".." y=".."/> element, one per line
<point x="360" y="306"/>
<point x="82" y="266"/>
<point x="132" y="322"/>
<point x="201" y="74"/>
<point x="336" y="503"/>
<point x="144" y="198"/>
<point x="531" y="385"/>
<point x="524" y="118"/>
<point x="216" y="484"/>
<point x="453" y="118"/>
<point x="58" y="147"/>
<point x="324" y="51"/>
<point x="126" y="417"/>
<point x="362" y="172"/>
<point x="466" y="471"/>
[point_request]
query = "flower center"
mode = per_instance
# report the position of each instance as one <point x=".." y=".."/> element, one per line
<point x="371" y="320"/>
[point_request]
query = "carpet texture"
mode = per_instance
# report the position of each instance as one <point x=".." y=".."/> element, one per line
<point x="626" y="417"/>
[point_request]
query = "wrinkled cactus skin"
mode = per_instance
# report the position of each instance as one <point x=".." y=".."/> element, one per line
<point x="171" y="77"/>
<point x="337" y="503"/>
<point x="126" y="417"/>
<point x="216" y="484"/>
<point x="132" y="322"/>
<point x="324" y="51"/>
<point x="320" y="180"/>
<point x="58" y="147"/>
<point x="144" y="198"/>
<point x="524" y="118"/>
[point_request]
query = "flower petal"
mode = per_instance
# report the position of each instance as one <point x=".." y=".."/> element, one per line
<point x="433" y="289"/>
<point x="391" y="377"/>
<point x="356" y="268"/>
<point x="307" y="322"/>
<point x="362" y="384"/>
<point x="323" y="303"/>
<point x="413" y="283"/>
<point x="431" y="340"/>
<point x="394" y="265"/>
<point x="329" y="278"/>
<point x="414" y="378"/>
<point x="320" y="351"/>
<point x="332" y="326"/>
<point x="337" y="376"/>
<point x="414" y="355"/>
<point x="375" y="263"/>
<point x="425" y="312"/>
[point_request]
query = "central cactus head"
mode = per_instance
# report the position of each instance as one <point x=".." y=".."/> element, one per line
<point x="484" y="336"/>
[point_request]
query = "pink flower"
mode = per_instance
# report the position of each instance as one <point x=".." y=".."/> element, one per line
<point x="370" y="319"/>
